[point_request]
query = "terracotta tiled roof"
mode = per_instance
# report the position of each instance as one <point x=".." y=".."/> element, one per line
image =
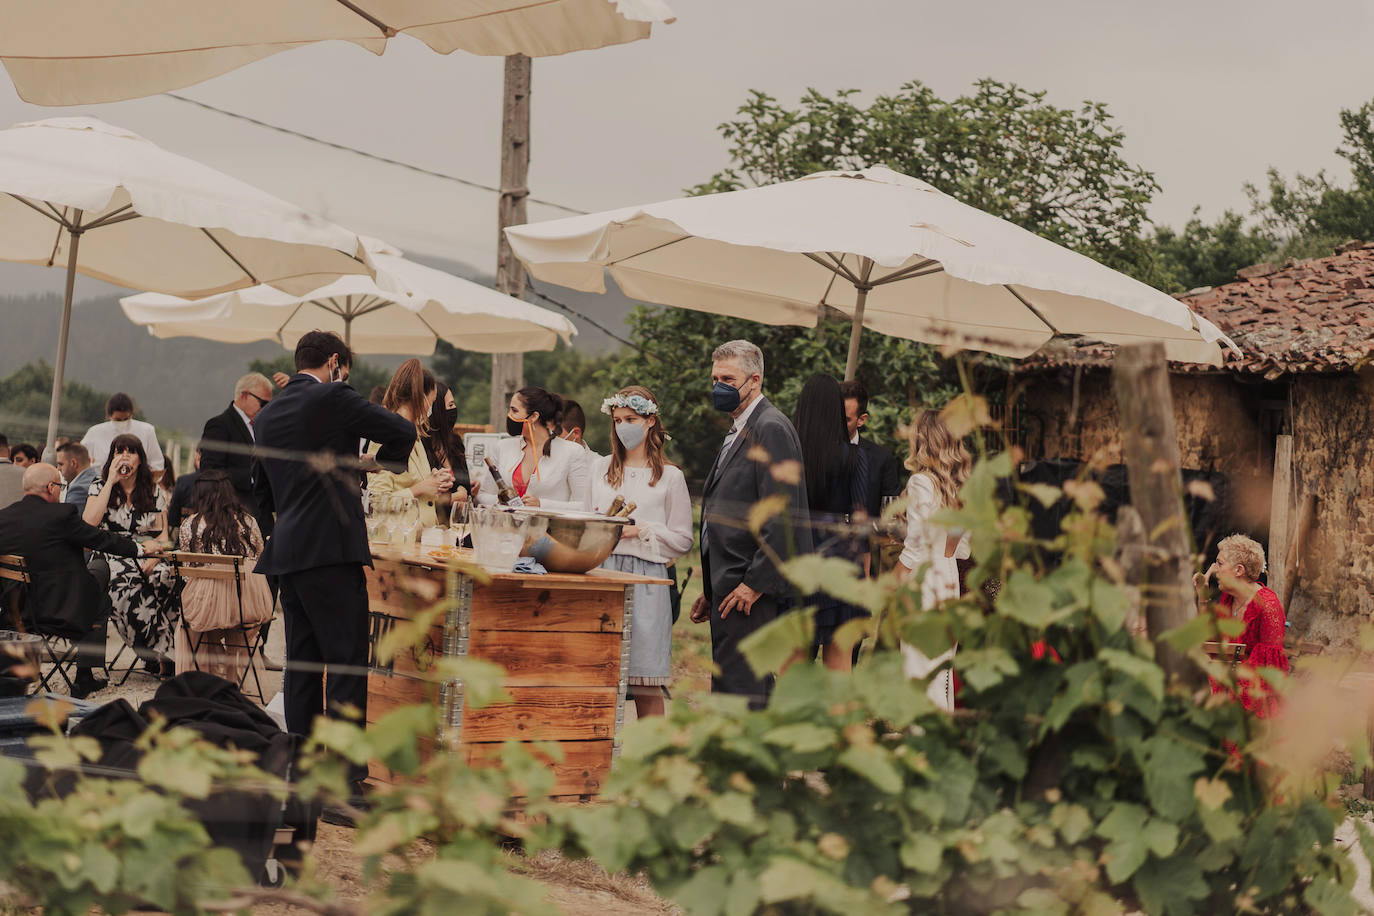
<point x="1310" y="316"/>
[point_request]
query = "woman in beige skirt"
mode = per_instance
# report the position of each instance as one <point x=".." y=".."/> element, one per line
<point x="210" y="607"/>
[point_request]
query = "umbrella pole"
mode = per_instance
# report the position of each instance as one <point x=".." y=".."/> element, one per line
<point x="851" y="365"/>
<point x="60" y="369"/>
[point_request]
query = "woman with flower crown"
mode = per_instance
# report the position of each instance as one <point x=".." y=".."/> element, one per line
<point x="660" y="531"/>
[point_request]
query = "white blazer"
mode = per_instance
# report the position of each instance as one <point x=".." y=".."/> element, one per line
<point x="561" y="481"/>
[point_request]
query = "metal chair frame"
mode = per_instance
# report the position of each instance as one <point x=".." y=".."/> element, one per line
<point x="61" y="650"/>
<point x="185" y="566"/>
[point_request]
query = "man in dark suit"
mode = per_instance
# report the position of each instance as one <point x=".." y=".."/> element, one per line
<point x="742" y="588"/>
<point x="883" y="478"/>
<point x="319" y="546"/>
<point x="232" y="429"/>
<point x="63" y="599"/>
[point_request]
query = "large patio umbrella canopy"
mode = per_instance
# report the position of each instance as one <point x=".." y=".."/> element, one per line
<point x="420" y="306"/>
<point x="109" y="204"/>
<point x="84" y="51"/>
<point x="892" y="252"/>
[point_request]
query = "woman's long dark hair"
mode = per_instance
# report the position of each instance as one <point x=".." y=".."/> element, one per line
<point x="223" y="525"/>
<point x="145" y="491"/>
<point x="443" y="448"/>
<point x="549" y="406"/>
<point x="824" y="437"/>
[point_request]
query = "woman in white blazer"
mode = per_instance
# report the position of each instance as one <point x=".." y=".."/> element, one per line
<point x="939" y="465"/>
<point x="545" y="470"/>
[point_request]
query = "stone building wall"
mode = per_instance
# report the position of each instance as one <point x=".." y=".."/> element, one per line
<point x="1215" y="428"/>
<point x="1333" y="449"/>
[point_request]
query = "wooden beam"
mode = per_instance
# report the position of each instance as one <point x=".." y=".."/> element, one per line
<point x="508" y="369"/>
<point x="1281" y="514"/>
<point x="1150" y="448"/>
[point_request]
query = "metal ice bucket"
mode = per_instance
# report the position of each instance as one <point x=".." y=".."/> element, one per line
<point x="571" y="542"/>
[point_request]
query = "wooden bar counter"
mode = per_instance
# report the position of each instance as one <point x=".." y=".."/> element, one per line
<point x="562" y="638"/>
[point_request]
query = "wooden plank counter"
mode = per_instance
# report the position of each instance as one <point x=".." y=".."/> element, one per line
<point x="562" y="638"/>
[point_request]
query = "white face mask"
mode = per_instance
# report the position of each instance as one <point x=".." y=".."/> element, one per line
<point x="631" y="434"/>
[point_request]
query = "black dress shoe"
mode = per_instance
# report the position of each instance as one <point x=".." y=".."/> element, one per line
<point x="339" y="817"/>
<point x="86" y="684"/>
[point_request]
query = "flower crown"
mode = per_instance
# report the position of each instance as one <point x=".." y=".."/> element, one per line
<point x="636" y="402"/>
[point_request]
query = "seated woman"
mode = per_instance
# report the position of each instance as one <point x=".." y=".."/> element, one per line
<point x="411" y="395"/>
<point x="1240" y="563"/>
<point x="124" y="499"/>
<point x="544" y="470"/>
<point x="210" y="607"/>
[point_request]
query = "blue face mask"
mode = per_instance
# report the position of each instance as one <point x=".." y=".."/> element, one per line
<point x="725" y="397"/>
<point x="630" y="434"/>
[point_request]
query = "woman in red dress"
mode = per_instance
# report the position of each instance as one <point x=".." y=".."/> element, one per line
<point x="1240" y="563"/>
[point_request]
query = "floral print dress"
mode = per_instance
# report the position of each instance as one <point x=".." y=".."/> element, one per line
<point x="142" y="616"/>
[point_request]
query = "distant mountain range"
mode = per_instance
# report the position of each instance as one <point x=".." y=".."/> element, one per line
<point x="179" y="382"/>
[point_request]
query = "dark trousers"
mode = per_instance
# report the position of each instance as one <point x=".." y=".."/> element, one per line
<point x="325" y="609"/>
<point x="91" y="652"/>
<point x="736" y="675"/>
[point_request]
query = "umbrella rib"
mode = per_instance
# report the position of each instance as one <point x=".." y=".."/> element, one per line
<point x="648" y="251"/>
<point x="114" y="216"/>
<point x="907" y="272"/>
<point x="230" y="256"/>
<point x="282" y="327"/>
<point x="387" y="30"/>
<point x="844" y="269"/>
<point x="58" y="218"/>
<point x="1033" y="310"/>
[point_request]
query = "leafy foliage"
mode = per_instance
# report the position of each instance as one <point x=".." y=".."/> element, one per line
<point x="26" y="395"/>
<point x="1203" y="254"/>
<point x="1073" y="781"/>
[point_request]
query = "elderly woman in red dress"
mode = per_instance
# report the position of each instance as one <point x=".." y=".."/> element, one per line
<point x="1240" y="563"/>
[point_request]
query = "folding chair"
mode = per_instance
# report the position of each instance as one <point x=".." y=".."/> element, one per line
<point x="61" y="650"/>
<point x="218" y="567"/>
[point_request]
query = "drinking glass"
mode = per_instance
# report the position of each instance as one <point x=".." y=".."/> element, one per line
<point x="410" y="519"/>
<point x="458" y="523"/>
<point x="373" y="515"/>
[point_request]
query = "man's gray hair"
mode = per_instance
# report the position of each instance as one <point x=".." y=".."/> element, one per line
<point x="251" y="382"/>
<point x="743" y="352"/>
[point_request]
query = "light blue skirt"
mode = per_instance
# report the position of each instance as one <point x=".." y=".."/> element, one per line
<point x="651" y="627"/>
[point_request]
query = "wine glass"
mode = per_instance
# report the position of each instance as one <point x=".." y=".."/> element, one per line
<point x="410" y="519"/>
<point x="373" y="515"/>
<point x="458" y="523"/>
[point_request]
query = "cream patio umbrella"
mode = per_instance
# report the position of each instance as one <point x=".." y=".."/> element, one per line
<point x="107" y="203"/>
<point x="890" y="251"/>
<point x="407" y="309"/>
<point x="85" y="51"/>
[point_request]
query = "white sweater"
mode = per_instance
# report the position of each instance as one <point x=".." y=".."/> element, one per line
<point x="559" y="483"/>
<point x="663" y="512"/>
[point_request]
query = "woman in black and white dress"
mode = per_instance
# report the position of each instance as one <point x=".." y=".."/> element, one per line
<point x="125" y="500"/>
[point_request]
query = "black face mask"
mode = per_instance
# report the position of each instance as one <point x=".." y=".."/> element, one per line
<point x="514" y="427"/>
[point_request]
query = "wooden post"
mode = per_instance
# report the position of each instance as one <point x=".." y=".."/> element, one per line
<point x="1280" y="514"/>
<point x="1150" y="447"/>
<point x="508" y="369"/>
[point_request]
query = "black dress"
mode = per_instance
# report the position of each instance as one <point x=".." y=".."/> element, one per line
<point x="845" y="486"/>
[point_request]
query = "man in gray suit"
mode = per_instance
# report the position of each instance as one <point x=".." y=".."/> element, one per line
<point x="761" y="456"/>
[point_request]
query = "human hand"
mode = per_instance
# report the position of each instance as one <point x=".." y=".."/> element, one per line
<point x="153" y="548"/>
<point x="460" y="495"/>
<point x="628" y="532"/>
<point x="281" y="378"/>
<point x="532" y="501"/>
<point x="701" y="610"/>
<point x="443" y="480"/>
<point x="428" y="488"/>
<point x="741" y="599"/>
<point x="149" y="565"/>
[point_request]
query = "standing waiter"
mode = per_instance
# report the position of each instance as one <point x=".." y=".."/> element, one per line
<point x="319" y="546"/>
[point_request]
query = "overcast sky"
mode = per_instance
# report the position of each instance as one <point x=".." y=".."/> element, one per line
<point x="1209" y="93"/>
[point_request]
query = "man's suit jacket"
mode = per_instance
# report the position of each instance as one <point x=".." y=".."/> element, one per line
<point x="883" y="477"/>
<point x="730" y="552"/>
<point x="11" y="482"/>
<point x="63" y="598"/>
<point x="319" y="512"/>
<point x="228" y="428"/>
<point x="79" y="489"/>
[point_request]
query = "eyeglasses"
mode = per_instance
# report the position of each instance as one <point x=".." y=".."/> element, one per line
<point x="262" y="402"/>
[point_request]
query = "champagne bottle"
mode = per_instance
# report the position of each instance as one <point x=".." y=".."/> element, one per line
<point x="616" y="505"/>
<point x="628" y="509"/>
<point x="504" y="491"/>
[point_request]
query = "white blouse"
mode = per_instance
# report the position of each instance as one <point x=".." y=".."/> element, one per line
<point x="559" y="483"/>
<point x="925" y="544"/>
<point x="663" y="512"/>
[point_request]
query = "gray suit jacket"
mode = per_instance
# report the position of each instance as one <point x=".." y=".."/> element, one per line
<point x="730" y="552"/>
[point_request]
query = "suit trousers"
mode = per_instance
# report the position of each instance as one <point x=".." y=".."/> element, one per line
<point x="735" y="675"/>
<point x="325" y="609"/>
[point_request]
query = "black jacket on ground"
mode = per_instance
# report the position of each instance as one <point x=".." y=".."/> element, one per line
<point x="64" y="599"/>
<point x="318" y="507"/>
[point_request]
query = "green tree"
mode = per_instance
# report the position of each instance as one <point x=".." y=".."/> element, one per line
<point x="1203" y="254"/>
<point x="27" y="393"/>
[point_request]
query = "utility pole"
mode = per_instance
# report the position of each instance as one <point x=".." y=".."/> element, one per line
<point x="508" y="369"/>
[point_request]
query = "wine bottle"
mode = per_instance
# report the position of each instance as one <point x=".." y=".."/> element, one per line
<point x="628" y="509"/>
<point x="504" y="491"/>
<point x="616" y="505"/>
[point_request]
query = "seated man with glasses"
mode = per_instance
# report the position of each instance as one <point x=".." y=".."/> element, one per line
<point x="64" y="598"/>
